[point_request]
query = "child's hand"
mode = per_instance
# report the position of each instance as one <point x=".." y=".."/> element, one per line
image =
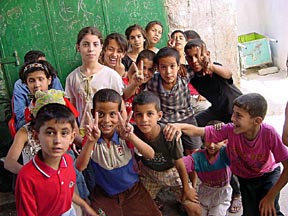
<point x="89" y="211"/>
<point x="119" y="67"/>
<point x="171" y="42"/>
<point x="138" y="76"/>
<point x="170" y="130"/>
<point x="190" y="194"/>
<point x="125" y="129"/>
<point x="204" y="60"/>
<point x="93" y="132"/>
<point x="218" y="126"/>
<point x="267" y="207"/>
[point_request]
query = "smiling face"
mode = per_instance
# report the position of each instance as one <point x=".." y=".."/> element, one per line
<point x="37" y="81"/>
<point x="89" y="48"/>
<point x="213" y="148"/>
<point x="148" y="69"/>
<point x="55" y="138"/>
<point x="154" y="34"/>
<point x="168" y="69"/>
<point x="112" y="51"/>
<point x="192" y="58"/>
<point x="146" y="117"/>
<point x="136" y="39"/>
<point x="107" y="118"/>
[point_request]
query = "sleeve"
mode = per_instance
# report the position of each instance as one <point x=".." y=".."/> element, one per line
<point x="25" y="199"/>
<point x="176" y="149"/>
<point x="71" y="107"/>
<point x="69" y="87"/>
<point x="56" y="84"/>
<point x="213" y="135"/>
<point x="189" y="163"/>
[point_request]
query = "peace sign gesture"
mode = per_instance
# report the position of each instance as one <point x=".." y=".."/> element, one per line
<point x="125" y="128"/>
<point x="136" y="72"/>
<point x="93" y="132"/>
<point x="119" y="67"/>
<point x="204" y="59"/>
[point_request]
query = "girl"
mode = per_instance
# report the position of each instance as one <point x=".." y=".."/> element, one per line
<point x="154" y="30"/>
<point x="91" y="76"/>
<point x="137" y="40"/>
<point x="178" y="41"/>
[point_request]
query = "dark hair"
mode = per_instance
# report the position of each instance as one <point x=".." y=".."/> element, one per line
<point x="137" y="27"/>
<point x="167" y="52"/>
<point x="152" y="23"/>
<point x="106" y="95"/>
<point x="39" y="65"/>
<point x="214" y="122"/>
<point x="191" y="34"/>
<point x="119" y="38"/>
<point x="89" y="30"/>
<point x="145" y="54"/>
<point x="254" y="103"/>
<point x="178" y="31"/>
<point x="33" y="55"/>
<point x="146" y="97"/>
<point x="197" y="42"/>
<point x="59" y="112"/>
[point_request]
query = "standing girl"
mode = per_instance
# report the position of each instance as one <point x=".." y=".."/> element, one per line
<point x="154" y="30"/>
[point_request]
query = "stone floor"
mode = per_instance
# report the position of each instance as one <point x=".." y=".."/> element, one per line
<point x="273" y="87"/>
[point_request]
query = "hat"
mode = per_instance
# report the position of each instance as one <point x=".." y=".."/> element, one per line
<point x="47" y="97"/>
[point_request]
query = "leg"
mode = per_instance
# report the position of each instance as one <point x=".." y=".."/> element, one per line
<point x="236" y="202"/>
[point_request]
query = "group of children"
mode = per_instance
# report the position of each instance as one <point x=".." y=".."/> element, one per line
<point x="125" y="165"/>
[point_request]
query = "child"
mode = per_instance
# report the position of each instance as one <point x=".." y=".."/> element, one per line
<point x="178" y="40"/>
<point x="145" y="66"/>
<point x="45" y="185"/>
<point x="217" y="86"/>
<point x="91" y="76"/>
<point x="174" y="94"/>
<point x="117" y="189"/>
<point x="166" y="169"/>
<point x="154" y="30"/>
<point x="254" y="150"/>
<point x="212" y="167"/>
<point x="191" y="34"/>
<point x="115" y="47"/>
<point x="21" y="91"/>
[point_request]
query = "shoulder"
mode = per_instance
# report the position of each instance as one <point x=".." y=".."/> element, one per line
<point x="73" y="73"/>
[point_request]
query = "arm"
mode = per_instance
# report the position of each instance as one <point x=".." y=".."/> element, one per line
<point x="188" y="192"/>
<point x="143" y="148"/>
<point x="285" y="127"/>
<point x="84" y="205"/>
<point x="15" y="150"/>
<point x="267" y="203"/>
<point x="222" y="71"/>
<point x="171" y="129"/>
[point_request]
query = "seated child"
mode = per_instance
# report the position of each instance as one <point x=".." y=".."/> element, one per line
<point x="212" y="167"/>
<point x="254" y="150"/>
<point x="166" y="168"/>
<point x="117" y="188"/>
<point x="45" y="185"/>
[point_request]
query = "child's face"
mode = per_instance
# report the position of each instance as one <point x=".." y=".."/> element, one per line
<point x="243" y="122"/>
<point x="136" y="39"/>
<point x="146" y="117"/>
<point x="107" y="118"/>
<point x="111" y="52"/>
<point x="90" y="48"/>
<point x="154" y="34"/>
<point x="55" y="138"/>
<point x="168" y="69"/>
<point x="192" y="59"/>
<point x="180" y="41"/>
<point x="148" y="69"/>
<point x="37" y="81"/>
<point x="213" y="148"/>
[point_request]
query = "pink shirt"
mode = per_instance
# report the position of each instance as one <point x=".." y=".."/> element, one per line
<point x="250" y="159"/>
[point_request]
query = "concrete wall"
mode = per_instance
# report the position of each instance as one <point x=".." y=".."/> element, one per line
<point x="268" y="17"/>
<point x="215" y="21"/>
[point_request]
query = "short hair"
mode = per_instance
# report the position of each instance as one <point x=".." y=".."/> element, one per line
<point x="197" y="42"/>
<point x="152" y="23"/>
<point x="254" y="103"/>
<point x="119" y="38"/>
<point x="191" y="34"/>
<point x="145" y="54"/>
<point x="143" y="32"/>
<point x="106" y="95"/>
<point x="167" y="52"/>
<point x="178" y="31"/>
<point x="33" y="55"/>
<point x="59" y="112"/>
<point x="146" y="97"/>
<point x="39" y="65"/>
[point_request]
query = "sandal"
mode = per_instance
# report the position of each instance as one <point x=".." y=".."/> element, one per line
<point x="236" y="205"/>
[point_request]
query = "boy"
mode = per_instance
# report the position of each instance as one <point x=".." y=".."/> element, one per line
<point x="254" y="149"/>
<point x="216" y="84"/>
<point x="174" y="94"/>
<point x="117" y="189"/>
<point x="167" y="167"/>
<point x="45" y="185"/>
<point x="212" y="167"/>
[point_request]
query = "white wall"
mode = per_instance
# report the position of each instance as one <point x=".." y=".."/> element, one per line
<point x="267" y="17"/>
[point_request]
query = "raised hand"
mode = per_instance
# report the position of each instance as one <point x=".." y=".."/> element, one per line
<point x="125" y="128"/>
<point x="119" y="67"/>
<point x="93" y="132"/>
<point x="170" y="130"/>
<point x="138" y="75"/>
<point x="204" y="59"/>
<point x="171" y="42"/>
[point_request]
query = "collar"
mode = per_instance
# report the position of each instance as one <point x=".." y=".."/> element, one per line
<point x="44" y="168"/>
<point x="115" y="139"/>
